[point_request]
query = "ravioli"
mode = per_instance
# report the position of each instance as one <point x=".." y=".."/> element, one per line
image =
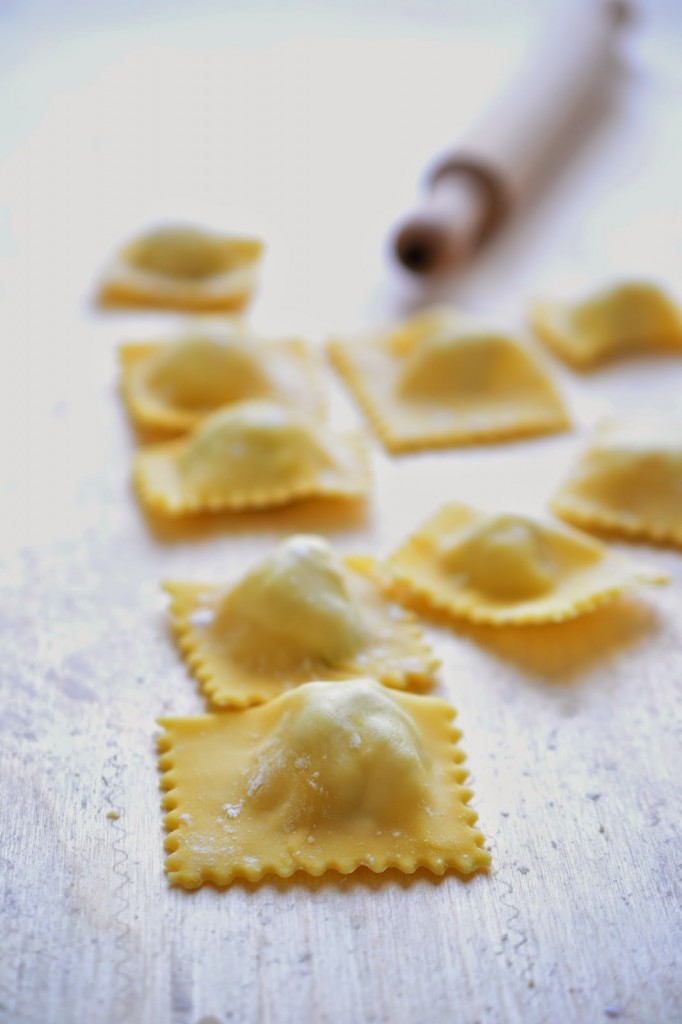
<point x="441" y="378"/>
<point x="255" y="454"/>
<point x="510" y="569"/>
<point x="171" y="386"/>
<point x="299" y="614"/>
<point x="331" y="775"/>
<point x="618" y="319"/>
<point x="628" y="481"/>
<point x="183" y="267"/>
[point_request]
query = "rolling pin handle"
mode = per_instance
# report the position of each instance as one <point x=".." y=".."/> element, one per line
<point x="464" y="203"/>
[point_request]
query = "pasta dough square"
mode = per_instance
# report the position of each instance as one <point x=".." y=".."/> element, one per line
<point x="183" y="267"/>
<point x="628" y="481"/>
<point x="299" y="614"/>
<point x="172" y="386"/>
<point x="510" y="569"/>
<point x="328" y="776"/>
<point x="616" y="320"/>
<point x="255" y="454"/>
<point x="440" y="378"/>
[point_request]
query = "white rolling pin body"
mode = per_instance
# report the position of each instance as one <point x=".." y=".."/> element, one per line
<point x="473" y="187"/>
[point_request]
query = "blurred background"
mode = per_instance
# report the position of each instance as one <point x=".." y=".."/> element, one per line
<point x="310" y="124"/>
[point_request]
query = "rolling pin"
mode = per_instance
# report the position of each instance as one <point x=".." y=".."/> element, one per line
<point x="473" y="188"/>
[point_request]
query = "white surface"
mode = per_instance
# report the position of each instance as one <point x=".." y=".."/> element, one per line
<point x="311" y="125"/>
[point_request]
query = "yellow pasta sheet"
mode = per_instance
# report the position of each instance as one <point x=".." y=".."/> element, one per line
<point x="183" y="267"/>
<point x="332" y="775"/>
<point x="510" y="569"/>
<point x="299" y="614"/>
<point x="626" y="317"/>
<point x="628" y="480"/>
<point x="171" y="386"/>
<point x="255" y="454"/>
<point x="441" y="378"/>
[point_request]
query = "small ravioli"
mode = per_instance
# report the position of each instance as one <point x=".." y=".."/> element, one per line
<point x="299" y="614"/>
<point x="441" y="378"/>
<point x="628" y="481"/>
<point x="509" y="569"/>
<point x="171" y="386"/>
<point x="621" y="318"/>
<point x="254" y="454"/>
<point x="183" y="267"/>
<point x="327" y="776"/>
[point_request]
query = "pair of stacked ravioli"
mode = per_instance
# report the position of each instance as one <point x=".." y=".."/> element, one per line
<point x="318" y="756"/>
<point x="250" y="412"/>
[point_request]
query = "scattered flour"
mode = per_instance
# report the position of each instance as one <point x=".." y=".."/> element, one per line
<point x="257" y="780"/>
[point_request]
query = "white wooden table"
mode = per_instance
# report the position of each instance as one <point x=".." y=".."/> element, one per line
<point x="310" y="126"/>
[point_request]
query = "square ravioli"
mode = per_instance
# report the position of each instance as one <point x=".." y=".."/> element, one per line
<point x="510" y="569"/>
<point x="171" y="386"/>
<point x="254" y="454"/>
<point x="299" y="614"/>
<point x="183" y="267"/>
<point x="328" y="776"/>
<point x="628" y="481"/>
<point x="441" y="378"/>
<point x="630" y="316"/>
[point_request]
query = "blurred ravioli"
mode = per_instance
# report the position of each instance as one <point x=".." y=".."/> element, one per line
<point x="255" y="454"/>
<point x="628" y="480"/>
<point x="183" y="267"/>
<point x="510" y="569"/>
<point x="171" y="386"/>
<point x="299" y="614"/>
<point x="441" y="378"/>
<point x="629" y="316"/>
<point x="332" y="775"/>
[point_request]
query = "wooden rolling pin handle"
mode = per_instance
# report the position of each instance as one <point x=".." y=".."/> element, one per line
<point x="464" y="203"/>
<point x="471" y="189"/>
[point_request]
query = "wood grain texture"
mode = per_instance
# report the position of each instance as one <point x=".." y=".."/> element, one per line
<point x="572" y="732"/>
